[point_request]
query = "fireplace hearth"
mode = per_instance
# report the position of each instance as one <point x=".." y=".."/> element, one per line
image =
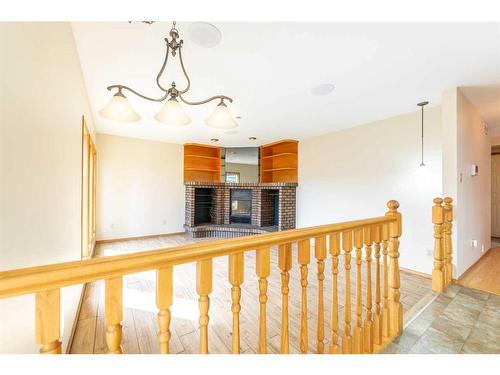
<point x="239" y="209"/>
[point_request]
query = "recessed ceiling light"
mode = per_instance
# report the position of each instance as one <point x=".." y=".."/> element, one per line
<point x="204" y="34"/>
<point x="214" y="139"/>
<point x="252" y="138"/>
<point x="323" y="89"/>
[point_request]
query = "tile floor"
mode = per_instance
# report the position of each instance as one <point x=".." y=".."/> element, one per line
<point x="460" y="320"/>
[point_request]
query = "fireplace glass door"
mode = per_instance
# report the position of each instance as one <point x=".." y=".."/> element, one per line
<point x="241" y="206"/>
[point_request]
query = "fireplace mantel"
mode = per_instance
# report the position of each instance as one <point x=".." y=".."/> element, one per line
<point x="273" y="208"/>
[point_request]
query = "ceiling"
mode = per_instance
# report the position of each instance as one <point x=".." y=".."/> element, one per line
<point x="379" y="70"/>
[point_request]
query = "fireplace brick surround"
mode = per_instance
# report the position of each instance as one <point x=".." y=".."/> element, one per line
<point x="262" y="215"/>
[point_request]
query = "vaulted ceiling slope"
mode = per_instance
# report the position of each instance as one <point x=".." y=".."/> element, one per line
<point x="379" y="70"/>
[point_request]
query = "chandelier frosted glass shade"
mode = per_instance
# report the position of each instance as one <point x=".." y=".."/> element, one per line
<point x="119" y="109"/>
<point x="172" y="114"/>
<point x="221" y="118"/>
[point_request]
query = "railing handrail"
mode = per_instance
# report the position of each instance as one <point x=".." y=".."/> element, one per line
<point x="54" y="276"/>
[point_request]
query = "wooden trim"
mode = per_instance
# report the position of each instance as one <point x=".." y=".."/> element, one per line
<point x="92" y="248"/>
<point x="88" y="197"/>
<point x="418" y="273"/>
<point x="200" y="144"/>
<point x="110" y="240"/>
<point x="280" y="141"/>
<point x="54" y="276"/>
<point x="81" y="191"/>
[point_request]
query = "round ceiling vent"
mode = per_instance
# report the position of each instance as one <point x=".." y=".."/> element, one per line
<point x="323" y="89"/>
<point x="204" y="34"/>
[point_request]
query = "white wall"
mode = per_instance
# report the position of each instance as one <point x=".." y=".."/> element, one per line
<point x="351" y="174"/>
<point x="248" y="172"/>
<point x="467" y="144"/>
<point x="42" y="100"/>
<point x="140" y="189"/>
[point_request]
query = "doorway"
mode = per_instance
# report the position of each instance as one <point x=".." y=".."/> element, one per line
<point x="495" y="195"/>
<point x="89" y="176"/>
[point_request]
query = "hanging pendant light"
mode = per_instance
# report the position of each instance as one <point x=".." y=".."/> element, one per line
<point x="221" y="118"/>
<point x="172" y="114"/>
<point x="422" y="105"/>
<point x="118" y="108"/>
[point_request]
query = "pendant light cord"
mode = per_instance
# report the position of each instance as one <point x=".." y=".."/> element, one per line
<point x="422" y="105"/>
<point x="422" y="136"/>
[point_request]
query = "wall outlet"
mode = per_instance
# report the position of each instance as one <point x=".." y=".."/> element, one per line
<point x="429" y="253"/>
<point x="473" y="243"/>
<point x="164" y="222"/>
<point x="482" y="248"/>
<point x="112" y="226"/>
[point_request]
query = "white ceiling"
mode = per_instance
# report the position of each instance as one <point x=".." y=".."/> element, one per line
<point x="378" y="69"/>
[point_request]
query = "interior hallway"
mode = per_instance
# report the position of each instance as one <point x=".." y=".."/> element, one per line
<point x="485" y="274"/>
<point x="140" y="326"/>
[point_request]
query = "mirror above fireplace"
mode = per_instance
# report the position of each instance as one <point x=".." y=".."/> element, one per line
<point x="240" y="164"/>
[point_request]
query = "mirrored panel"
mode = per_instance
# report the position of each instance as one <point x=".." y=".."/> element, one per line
<point x="240" y="164"/>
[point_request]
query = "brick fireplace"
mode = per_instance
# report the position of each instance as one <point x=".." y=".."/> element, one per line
<point x="238" y="209"/>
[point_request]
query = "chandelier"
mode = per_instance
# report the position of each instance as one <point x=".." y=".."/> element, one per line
<point x="119" y="109"/>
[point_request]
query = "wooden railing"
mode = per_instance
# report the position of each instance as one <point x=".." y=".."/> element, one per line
<point x="378" y="318"/>
<point x="442" y="218"/>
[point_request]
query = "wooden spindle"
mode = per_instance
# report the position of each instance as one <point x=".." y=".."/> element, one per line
<point x="368" y="323"/>
<point x="377" y="321"/>
<point x="263" y="269"/>
<point x="204" y="288"/>
<point x="164" y="299"/>
<point x="395" y="306"/>
<point x="236" y="276"/>
<point x="448" y="219"/>
<point x="113" y="313"/>
<point x="437" y="220"/>
<point x="358" y="327"/>
<point x="320" y="254"/>
<point x="385" y="295"/>
<point x="304" y="257"/>
<point x="48" y="321"/>
<point x="346" y="337"/>
<point x="285" y="265"/>
<point x="334" y="240"/>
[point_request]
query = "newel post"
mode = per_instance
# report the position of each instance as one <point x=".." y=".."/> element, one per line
<point x="395" y="306"/>
<point x="438" y="271"/>
<point x="448" y="249"/>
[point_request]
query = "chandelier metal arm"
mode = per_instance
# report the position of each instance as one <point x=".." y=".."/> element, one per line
<point x="221" y="97"/>
<point x="185" y="73"/>
<point x="121" y="87"/>
<point x="172" y="46"/>
<point x="160" y="73"/>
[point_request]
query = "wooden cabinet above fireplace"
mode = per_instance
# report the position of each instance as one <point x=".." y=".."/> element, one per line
<point x="201" y="163"/>
<point x="278" y="161"/>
